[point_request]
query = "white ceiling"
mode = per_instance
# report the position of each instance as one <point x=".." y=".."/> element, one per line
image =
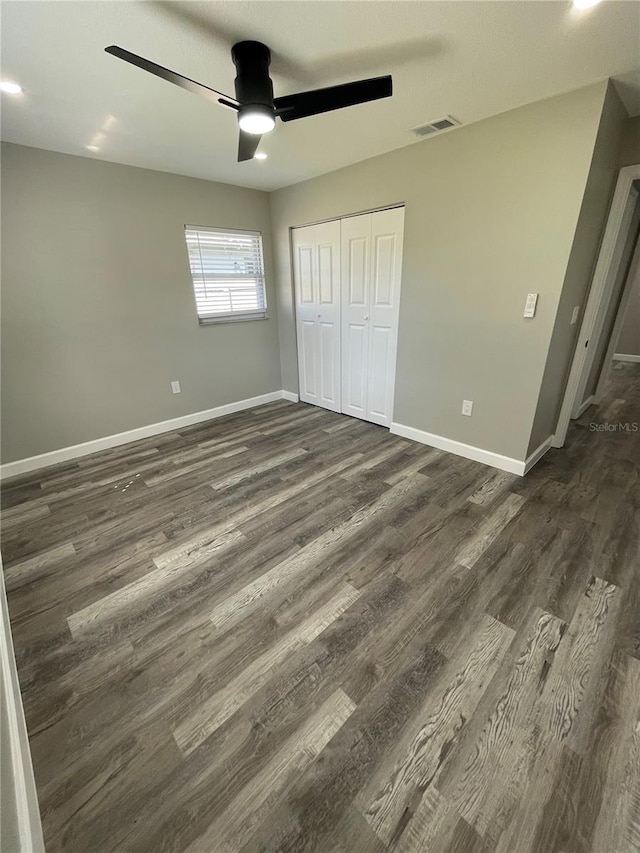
<point x="468" y="59"/>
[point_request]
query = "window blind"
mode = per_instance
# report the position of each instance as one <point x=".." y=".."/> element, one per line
<point x="227" y="270"/>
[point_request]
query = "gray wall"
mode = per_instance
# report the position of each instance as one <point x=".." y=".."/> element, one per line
<point x="491" y="211"/>
<point x="602" y="176"/>
<point x="629" y="340"/>
<point x="630" y="144"/>
<point x="98" y="313"/>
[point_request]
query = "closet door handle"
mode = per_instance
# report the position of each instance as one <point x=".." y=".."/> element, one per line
<point x="366" y="316"/>
<point x="319" y="316"/>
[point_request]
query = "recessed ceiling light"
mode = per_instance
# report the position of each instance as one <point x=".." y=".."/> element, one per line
<point x="10" y="88"/>
<point x="92" y="147"/>
<point x="584" y="4"/>
<point x="259" y="155"/>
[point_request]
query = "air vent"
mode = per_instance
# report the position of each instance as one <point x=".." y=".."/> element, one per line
<point x="436" y="126"/>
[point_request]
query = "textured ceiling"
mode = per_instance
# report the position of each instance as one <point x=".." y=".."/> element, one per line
<point x="468" y="59"/>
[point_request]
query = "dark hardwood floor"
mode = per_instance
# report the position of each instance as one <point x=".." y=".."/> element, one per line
<point x="287" y="630"/>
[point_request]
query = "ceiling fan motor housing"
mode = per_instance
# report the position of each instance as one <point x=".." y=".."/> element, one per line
<point x="253" y="84"/>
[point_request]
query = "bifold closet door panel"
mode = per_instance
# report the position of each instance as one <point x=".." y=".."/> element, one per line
<point x="356" y="277"/>
<point x="371" y="269"/>
<point x="387" y="228"/>
<point x="316" y="269"/>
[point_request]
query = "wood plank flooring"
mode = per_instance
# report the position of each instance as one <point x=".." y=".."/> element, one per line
<point x="287" y="630"/>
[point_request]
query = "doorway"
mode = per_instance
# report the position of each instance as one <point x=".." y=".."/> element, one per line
<point x="610" y="296"/>
<point x="624" y="337"/>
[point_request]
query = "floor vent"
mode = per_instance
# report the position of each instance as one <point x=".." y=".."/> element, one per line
<point x="436" y="126"/>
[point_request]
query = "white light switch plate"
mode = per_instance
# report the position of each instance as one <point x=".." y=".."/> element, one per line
<point x="467" y="407"/>
<point x="530" y="305"/>
<point x="175" y="387"/>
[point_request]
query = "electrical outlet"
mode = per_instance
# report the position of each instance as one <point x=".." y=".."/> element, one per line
<point x="175" y="387"/>
<point x="574" y="316"/>
<point x="467" y="407"/>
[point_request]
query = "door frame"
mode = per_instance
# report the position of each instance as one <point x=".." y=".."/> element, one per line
<point x="625" y="296"/>
<point x="612" y="292"/>
<point x="600" y="295"/>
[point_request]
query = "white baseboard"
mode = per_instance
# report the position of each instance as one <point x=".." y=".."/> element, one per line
<point x="537" y="454"/>
<point x="478" y="454"/>
<point x="625" y="356"/>
<point x="582" y="408"/>
<point x="64" y="454"/>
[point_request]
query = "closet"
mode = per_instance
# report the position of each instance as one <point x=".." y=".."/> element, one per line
<point x="347" y="294"/>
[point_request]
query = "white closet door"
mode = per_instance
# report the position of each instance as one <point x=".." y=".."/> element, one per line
<point x="387" y="228"/>
<point x="356" y="259"/>
<point x="316" y="267"/>
<point x="371" y="268"/>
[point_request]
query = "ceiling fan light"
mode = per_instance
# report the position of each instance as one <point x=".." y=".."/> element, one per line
<point x="256" y="120"/>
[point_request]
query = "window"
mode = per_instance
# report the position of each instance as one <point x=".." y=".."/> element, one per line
<point x="228" y="274"/>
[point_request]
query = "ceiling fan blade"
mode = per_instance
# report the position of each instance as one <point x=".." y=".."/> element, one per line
<point x="234" y="105"/>
<point x="303" y="104"/>
<point x="247" y="145"/>
<point x="172" y="77"/>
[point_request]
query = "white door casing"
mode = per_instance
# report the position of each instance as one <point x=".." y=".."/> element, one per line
<point x="598" y="300"/>
<point x="629" y="286"/>
<point x="316" y="267"/>
<point x="597" y="327"/>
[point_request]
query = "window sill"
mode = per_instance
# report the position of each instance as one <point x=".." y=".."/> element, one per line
<point x="216" y="321"/>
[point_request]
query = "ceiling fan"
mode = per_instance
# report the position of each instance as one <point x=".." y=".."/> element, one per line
<point x="254" y="103"/>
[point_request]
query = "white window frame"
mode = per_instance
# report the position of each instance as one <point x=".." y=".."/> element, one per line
<point x="207" y="319"/>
